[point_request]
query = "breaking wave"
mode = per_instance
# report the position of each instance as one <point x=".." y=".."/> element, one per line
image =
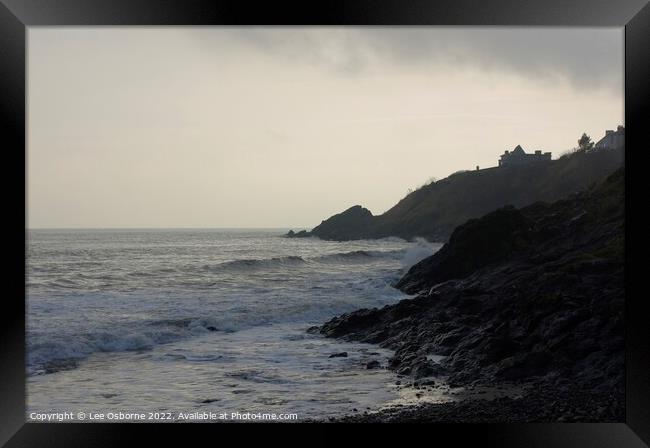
<point x="294" y="260"/>
<point x="252" y="263"/>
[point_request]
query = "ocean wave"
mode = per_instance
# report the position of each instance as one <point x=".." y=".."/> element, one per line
<point x="254" y="263"/>
<point x="359" y="255"/>
<point x="48" y="355"/>
<point x="50" y="352"/>
<point x="256" y="376"/>
<point x="189" y="357"/>
<point x="295" y="261"/>
<point x="392" y="239"/>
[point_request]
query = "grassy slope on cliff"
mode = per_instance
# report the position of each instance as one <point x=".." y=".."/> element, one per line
<point x="435" y="210"/>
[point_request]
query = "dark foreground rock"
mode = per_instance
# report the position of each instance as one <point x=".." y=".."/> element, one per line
<point x="525" y="295"/>
<point x="543" y="403"/>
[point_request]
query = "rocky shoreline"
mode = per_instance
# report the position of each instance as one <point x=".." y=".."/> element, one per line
<point x="543" y="403"/>
<point x="531" y="296"/>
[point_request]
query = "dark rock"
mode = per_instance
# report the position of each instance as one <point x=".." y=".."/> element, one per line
<point x="406" y="370"/>
<point x="211" y="328"/>
<point x="348" y="322"/>
<point x="58" y="365"/>
<point x="313" y="329"/>
<point x="473" y="245"/>
<point x="538" y="296"/>
<point x="348" y="225"/>
<point x="300" y="234"/>
<point x="339" y="355"/>
<point x="373" y="365"/>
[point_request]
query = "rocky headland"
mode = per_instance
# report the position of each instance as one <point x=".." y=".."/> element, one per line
<point x="436" y="209"/>
<point x="531" y="296"/>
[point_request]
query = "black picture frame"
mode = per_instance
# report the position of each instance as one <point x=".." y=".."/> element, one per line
<point x="17" y="15"/>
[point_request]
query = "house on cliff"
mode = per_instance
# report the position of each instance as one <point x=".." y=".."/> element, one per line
<point x="519" y="157"/>
<point x="612" y="139"/>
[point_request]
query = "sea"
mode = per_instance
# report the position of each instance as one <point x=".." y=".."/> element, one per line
<point x="205" y="320"/>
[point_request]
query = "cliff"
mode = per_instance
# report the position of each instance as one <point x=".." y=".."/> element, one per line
<point x="435" y="210"/>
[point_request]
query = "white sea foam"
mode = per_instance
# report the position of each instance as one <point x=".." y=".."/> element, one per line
<point x="418" y="252"/>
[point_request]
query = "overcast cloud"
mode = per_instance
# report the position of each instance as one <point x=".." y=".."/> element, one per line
<point x="282" y="127"/>
<point x="585" y="57"/>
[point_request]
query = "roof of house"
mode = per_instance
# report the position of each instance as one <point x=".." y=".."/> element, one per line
<point x="518" y="150"/>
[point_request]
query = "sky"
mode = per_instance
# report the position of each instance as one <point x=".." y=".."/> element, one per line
<point x="159" y="127"/>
